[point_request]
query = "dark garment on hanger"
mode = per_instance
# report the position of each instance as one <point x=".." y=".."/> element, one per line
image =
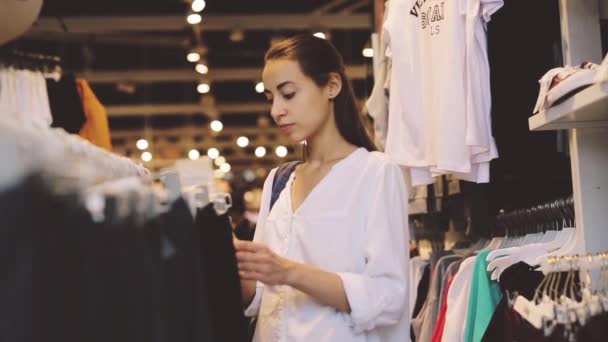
<point x="423" y="290"/>
<point x="188" y="308"/>
<point x="20" y="285"/>
<point x="40" y="265"/>
<point x="421" y="294"/>
<point x="66" y="104"/>
<point x="506" y="324"/>
<point x="223" y="283"/>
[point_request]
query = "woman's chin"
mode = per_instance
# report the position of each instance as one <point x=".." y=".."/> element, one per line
<point x="295" y="138"/>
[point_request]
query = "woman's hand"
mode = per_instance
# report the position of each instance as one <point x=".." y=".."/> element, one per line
<point x="258" y="262"/>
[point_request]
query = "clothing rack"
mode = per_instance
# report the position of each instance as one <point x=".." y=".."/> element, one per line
<point x="554" y="215"/>
<point x="29" y="148"/>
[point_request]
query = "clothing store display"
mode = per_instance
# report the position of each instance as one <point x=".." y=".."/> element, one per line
<point x="66" y="104"/>
<point x="372" y="260"/>
<point x="439" y="106"/>
<point x="96" y="129"/>
<point x="468" y="302"/>
<point x="422" y="236"/>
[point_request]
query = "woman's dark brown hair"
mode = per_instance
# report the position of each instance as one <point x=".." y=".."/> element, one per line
<point x="318" y="58"/>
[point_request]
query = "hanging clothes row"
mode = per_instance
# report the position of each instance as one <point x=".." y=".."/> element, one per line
<point x="431" y="100"/>
<point x="468" y="294"/>
<point x="34" y="89"/>
<point x="113" y="264"/>
<point x="92" y="251"/>
<point x="28" y="148"/>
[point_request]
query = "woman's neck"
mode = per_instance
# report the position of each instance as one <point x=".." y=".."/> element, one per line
<point x="328" y="148"/>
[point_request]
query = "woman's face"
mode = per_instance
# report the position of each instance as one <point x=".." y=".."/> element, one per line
<point x="299" y="107"/>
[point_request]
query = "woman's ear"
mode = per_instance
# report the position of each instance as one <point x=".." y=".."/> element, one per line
<point x="334" y="85"/>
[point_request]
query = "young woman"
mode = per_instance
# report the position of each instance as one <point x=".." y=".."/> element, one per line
<point x="329" y="262"/>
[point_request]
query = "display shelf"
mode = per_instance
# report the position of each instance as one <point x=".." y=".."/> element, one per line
<point x="585" y="115"/>
<point x="588" y="108"/>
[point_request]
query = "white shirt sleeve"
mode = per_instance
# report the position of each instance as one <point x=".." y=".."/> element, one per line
<point x="379" y="295"/>
<point x="254" y="307"/>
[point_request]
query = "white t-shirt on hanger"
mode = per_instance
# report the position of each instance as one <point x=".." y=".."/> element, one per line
<point x="439" y="113"/>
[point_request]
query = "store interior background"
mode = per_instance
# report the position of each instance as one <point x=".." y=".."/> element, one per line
<point x="139" y="70"/>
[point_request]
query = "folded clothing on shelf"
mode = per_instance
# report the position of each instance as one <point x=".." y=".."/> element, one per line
<point x="559" y="84"/>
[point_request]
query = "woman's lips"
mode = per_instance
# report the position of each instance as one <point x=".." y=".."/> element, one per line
<point x="286" y="128"/>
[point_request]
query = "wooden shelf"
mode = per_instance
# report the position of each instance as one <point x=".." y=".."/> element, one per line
<point x="588" y="108"/>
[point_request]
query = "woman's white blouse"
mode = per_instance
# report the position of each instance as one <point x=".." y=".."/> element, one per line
<point x="353" y="223"/>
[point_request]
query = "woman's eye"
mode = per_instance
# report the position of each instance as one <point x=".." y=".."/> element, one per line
<point x="269" y="100"/>
<point x="289" y="96"/>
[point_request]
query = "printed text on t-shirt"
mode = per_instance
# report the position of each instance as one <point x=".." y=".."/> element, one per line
<point x="430" y="17"/>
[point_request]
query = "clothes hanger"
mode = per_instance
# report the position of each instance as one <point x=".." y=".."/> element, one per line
<point x="535" y="248"/>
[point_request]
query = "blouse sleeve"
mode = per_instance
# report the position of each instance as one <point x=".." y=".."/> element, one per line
<point x="254" y="307"/>
<point x="377" y="296"/>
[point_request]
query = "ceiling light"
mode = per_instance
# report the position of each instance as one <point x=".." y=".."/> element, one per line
<point x="219" y="161"/>
<point x="225" y="167"/>
<point x="216" y="126"/>
<point x="194" y="154"/>
<point x="320" y="35"/>
<point x="259" y="87"/>
<point x="201" y="68"/>
<point x="194" y="19"/>
<point x="237" y="36"/>
<point x="146" y="156"/>
<point x="198" y="5"/>
<point x="203" y="88"/>
<point x="368" y="52"/>
<point x="281" y="151"/>
<point x="242" y="141"/>
<point x="142" y="144"/>
<point x="249" y="177"/>
<point x="260" y="152"/>
<point x="213" y="153"/>
<point x="218" y="174"/>
<point x="193" y="57"/>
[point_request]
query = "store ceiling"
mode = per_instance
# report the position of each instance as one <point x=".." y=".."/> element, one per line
<point x="134" y="54"/>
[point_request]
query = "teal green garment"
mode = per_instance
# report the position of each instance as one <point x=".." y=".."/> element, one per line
<point x="485" y="295"/>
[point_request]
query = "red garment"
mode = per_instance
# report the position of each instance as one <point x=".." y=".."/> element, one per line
<point x="438" y="332"/>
